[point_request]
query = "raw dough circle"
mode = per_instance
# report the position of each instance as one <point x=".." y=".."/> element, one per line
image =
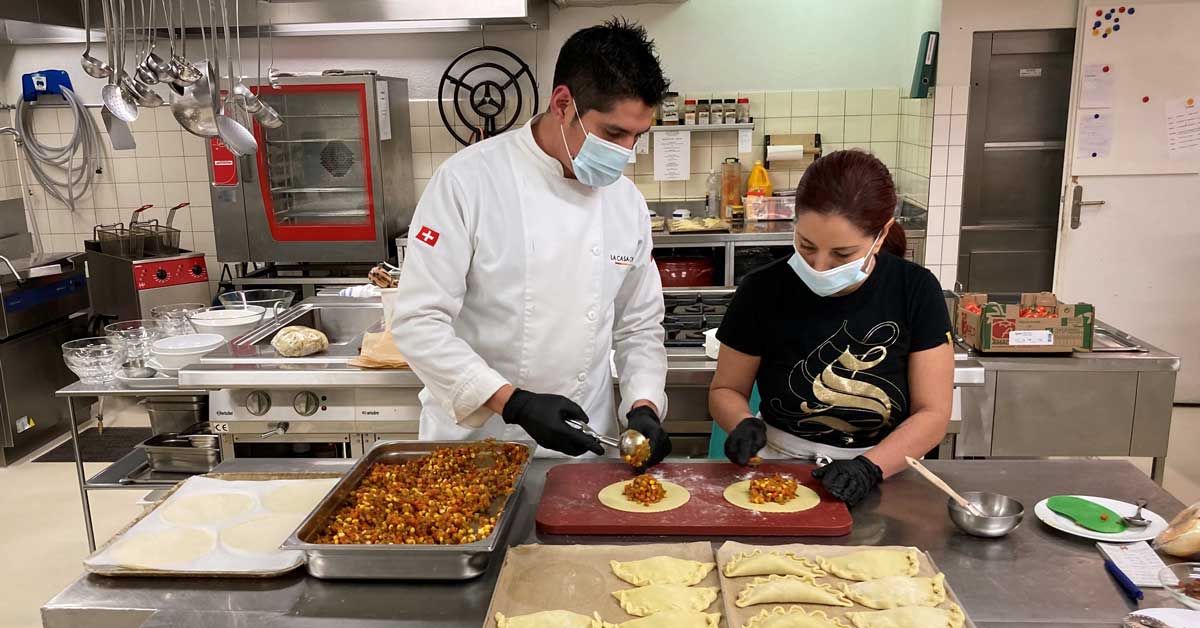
<point x="207" y="508"/>
<point x="613" y="496"/>
<point x="297" y="497"/>
<point x="262" y="535"/>
<point x="163" y="549"/>
<point x="738" y="494"/>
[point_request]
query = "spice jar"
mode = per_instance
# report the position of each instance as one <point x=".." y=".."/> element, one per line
<point x="730" y="111"/>
<point x="716" y="113"/>
<point x="737" y="215"/>
<point x="702" y="111"/>
<point x="743" y="110"/>
<point x="670" y="109"/>
<point x="689" y="111"/>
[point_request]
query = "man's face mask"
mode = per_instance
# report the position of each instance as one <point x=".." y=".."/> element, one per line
<point x="599" y="162"/>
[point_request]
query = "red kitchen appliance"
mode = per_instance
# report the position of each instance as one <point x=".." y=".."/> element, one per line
<point x="125" y="288"/>
<point x="334" y="183"/>
<point x="686" y="272"/>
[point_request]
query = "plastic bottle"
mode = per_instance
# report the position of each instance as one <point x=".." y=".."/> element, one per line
<point x="759" y="182"/>
<point x="712" y="188"/>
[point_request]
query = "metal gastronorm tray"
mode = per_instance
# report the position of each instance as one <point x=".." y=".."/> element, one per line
<point x="398" y="562"/>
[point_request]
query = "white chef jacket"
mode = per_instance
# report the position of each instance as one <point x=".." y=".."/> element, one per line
<point x="516" y="274"/>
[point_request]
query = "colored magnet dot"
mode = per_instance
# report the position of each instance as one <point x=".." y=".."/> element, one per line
<point x="1117" y="27"/>
<point x="1145" y="99"/>
<point x="1099" y="12"/>
<point x="1108" y="30"/>
<point x="1096" y="116"/>
<point x="1105" y="35"/>
<point x="1095" y="32"/>
<point x="1108" y="16"/>
<point x="1096" y="25"/>
<point x="1104" y="516"/>
<point x="1130" y="11"/>
<point x="1093" y="154"/>
<point x="1191" y="101"/>
<point x="1121" y="10"/>
<point x="1105" y="68"/>
<point x="1116" y="19"/>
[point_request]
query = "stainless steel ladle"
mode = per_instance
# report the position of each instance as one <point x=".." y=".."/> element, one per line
<point x="94" y="67"/>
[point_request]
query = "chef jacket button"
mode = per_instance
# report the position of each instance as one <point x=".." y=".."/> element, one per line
<point x="591" y="316"/>
<point x="581" y="377"/>
<point x="595" y="250"/>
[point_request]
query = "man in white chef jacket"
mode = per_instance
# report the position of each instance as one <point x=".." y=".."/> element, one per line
<point x="529" y="260"/>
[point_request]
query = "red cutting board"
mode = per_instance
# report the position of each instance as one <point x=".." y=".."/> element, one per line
<point x="569" y="504"/>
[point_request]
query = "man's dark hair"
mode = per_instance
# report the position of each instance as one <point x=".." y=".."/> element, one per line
<point x="606" y="63"/>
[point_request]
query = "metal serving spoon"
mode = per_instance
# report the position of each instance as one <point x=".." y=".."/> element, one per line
<point x="237" y="137"/>
<point x="1137" y="520"/>
<point x="94" y="67"/>
<point x="118" y="99"/>
<point x="185" y="73"/>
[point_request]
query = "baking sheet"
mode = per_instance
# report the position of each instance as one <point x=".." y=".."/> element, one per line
<point x="221" y="561"/>
<point x="731" y="587"/>
<point x="578" y="578"/>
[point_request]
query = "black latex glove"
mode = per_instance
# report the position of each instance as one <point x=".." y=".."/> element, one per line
<point x="746" y="440"/>
<point x="849" y="480"/>
<point x="645" y="420"/>
<point x="544" y="418"/>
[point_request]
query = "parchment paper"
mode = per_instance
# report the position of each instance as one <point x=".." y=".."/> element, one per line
<point x="578" y="578"/>
<point x="221" y="560"/>
<point x="731" y="587"/>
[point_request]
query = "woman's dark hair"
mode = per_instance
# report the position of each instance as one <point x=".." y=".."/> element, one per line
<point x="606" y="63"/>
<point x="856" y="186"/>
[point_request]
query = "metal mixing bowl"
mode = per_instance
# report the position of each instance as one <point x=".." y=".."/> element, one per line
<point x="1004" y="514"/>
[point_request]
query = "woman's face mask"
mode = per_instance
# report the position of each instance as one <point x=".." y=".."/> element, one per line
<point x="599" y="162"/>
<point x="825" y="283"/>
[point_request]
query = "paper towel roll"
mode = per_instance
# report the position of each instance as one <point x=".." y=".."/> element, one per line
<point x="794" y="152"/>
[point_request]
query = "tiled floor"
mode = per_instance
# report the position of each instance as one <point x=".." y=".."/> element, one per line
<point x="42" y="538"/>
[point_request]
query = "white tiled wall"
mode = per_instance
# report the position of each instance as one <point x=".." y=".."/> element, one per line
<point x="916" y="134"/>
<point x="946" y="180"/>
<point x="10" y="176"/>
<point x="168" y="167"/>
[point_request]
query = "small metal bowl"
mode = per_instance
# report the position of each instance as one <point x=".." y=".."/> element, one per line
<point x="1004" y="514"/>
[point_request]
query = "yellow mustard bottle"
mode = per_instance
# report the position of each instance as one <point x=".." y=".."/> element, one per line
<point x="759" y="182"/>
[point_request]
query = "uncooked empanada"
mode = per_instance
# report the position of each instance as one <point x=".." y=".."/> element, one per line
<point x="910" y="617"/>
<point x="871" y="564"/>
<point x="661" y="570"/>
<point x="657" y="598"/>
<point x="759" y="563"/>
<point x="673" y="619"/>
<point x="897" y="591"/>
<point x="794" y="617"/>
<point x="549" y="619"/>
<point x="790" y="589"/>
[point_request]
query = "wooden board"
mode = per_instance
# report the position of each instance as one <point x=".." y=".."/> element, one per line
<point x="578" y="578"/>
<point x="731" y="587"/>
<point x="569" y="504"/>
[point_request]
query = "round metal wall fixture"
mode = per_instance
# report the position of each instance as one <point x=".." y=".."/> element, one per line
<point x="483" y="92"/>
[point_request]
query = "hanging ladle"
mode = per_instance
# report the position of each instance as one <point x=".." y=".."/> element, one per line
<point x="118" y="98"/>
<point x="238" y="138"/>
<point x="94" y="67"/>
<point x="184" y="72"/>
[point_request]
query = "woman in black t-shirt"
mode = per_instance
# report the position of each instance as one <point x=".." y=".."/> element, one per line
<point x="848" y="342"/>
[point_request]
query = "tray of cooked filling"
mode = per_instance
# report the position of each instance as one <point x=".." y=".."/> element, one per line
<point x="406" y="510"/>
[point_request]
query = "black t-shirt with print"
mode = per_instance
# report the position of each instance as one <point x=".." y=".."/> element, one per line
<point x="834" y="370"/>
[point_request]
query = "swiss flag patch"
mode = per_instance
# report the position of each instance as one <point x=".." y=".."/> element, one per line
<point x="428" y="236"/>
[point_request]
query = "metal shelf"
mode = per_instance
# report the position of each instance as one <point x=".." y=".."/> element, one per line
<point x="318" y="190"/>
<point x="702" y="127"/>
<point x="316" y="140"/>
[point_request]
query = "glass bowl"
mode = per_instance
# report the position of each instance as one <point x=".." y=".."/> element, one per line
<point x="137" y="335"/>
<point x="173" y="318"/>
<point x="274" y="301"/>
<point x="94" y="360"/>
<point x="1182" y="581"/>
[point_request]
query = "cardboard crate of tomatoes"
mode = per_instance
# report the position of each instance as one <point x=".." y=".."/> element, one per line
<point x="1039" y="323"/>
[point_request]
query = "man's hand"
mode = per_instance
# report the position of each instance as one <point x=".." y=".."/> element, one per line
<point x="643" y="419"/>
<point x="746" y="440"/>
<point x="544" y="418"/>
<point x="849" y="480"/>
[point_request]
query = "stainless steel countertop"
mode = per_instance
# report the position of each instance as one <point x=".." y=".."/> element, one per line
<point x="1152" y="359"/>
<point x="1035" y="577"/>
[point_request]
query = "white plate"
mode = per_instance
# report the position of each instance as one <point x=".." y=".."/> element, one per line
<point x="1130" y="535"/>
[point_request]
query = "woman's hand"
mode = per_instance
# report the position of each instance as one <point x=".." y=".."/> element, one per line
<point x="746" y="440"/>
<point x="849" y="480"/>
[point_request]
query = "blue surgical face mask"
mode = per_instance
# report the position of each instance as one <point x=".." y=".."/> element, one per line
<point x="824" y="283"/>
<point x="599" y="162"/>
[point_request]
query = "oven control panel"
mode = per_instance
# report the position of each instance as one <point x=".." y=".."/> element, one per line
<point x="281" y="405"/>
<point x="151" y="273"/>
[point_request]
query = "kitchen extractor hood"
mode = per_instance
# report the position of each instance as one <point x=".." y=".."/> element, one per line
<point x="314" y="17"/>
